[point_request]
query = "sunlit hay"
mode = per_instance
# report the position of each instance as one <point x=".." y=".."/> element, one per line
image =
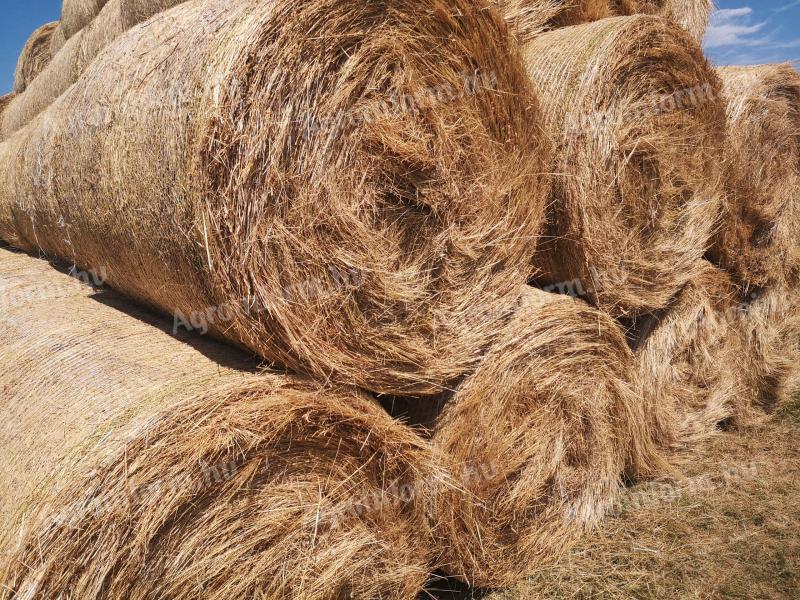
<point x="541" y="437"/>
<point x="57" y="40"/>
<point x="692" y="15"/>
<point x="771" y="327"/>
<point x="693" y="364"/>
<point x="758" y="241"/>
<point x="528" y="18"/>
<point x="116" y="17"/>
<point x="34" y="57"/>
<point x="77" y="14"/>
<point x="4" y="100"/>
<point x="337" y="186"/>
<point x="636" y="115"/>
<point x="136" y="465"/>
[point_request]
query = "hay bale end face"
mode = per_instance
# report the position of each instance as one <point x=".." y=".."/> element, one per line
<point x="348" y="234"/>
<point x="636" y="115"/>
<point x="35" y="56"/>
<point x="758" y="240"/>
<point x="540" y="437"/>
<point x="179" y="467"/>
<point x="692" y="15"/>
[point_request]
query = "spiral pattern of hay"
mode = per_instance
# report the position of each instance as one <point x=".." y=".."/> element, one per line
<point x="77" y="14"/>
<point x="758" y="240"/>
<point x="71" y="60"/>
<point x="341" y="208"/>
<point x="540" y="436"/>
<point x="692" y="15"/>
<point x="636" y="115"/>
<point x="35" y="56"/>
<point x="694" y="364"/>
<point x="136" y="465"/>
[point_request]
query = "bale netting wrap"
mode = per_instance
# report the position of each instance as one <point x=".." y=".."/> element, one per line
<point x="339" y="208"/>
<point x="136" y="465"/>
<point x="540" y="437"/>
<point x="758" y="239"/>
<point x="35" y="56"/>
<point x="116" y="17"/>
<point x="528" y="18"/>
<point x="692" y="15"/>
<point x="636" y="117"/>
<point x="693" y="364"/>
<point x="77" y="14"/>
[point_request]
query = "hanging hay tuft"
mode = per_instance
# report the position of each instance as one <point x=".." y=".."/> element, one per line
<point x="116" y="17"/>
<point x="348" y="233"/>
<point x="692" y="15"/>
<point x="136" y="465"/>
<point x="35" y="56"/>
<point x="529" y="18"/>
<point x="758" y="241"/>
<point x="540" y="436"/>
<point x="77" y="14"/>
<point x="636" y="116"/>
<point x="693" y="364"/>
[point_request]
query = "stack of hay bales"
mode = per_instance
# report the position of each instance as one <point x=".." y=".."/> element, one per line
<point x="378" y="198"/>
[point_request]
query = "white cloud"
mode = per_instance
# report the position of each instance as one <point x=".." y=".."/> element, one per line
<point x="733" y="27"/>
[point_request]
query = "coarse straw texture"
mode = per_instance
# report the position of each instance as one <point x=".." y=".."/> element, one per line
<point x="35" y="56"/>
<point x="637" y="119"/>
<point x="528" y="18"/>
<point x="4" y="100"/>
<point x="694" y="364"/>
<point x="77" y="14"/>
<point x="138" y="465"/>
<point x="758" y="239"/>
<point x="692" y="15"/>
<point x="57" y="40"/>
<point x="541" y="437"/>
<point x="335" y="186"/>
<point x="116" y="17"/>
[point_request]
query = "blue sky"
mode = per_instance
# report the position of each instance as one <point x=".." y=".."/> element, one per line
<point x="741" y="32"/>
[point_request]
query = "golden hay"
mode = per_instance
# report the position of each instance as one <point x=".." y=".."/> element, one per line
<point x="636" y="115"/>
<point x="692" y="15"/>
<point x="528" y="18"/>
<point x="57" y="40"/>
<point x="694" y="368"/>
<point x="339" y="208"/>
<point x="35" y="56"/>
<point x="758" y="241"/>
<point x="77" y="14"/>
<point x="540" y="438"/>
<point x="138" y="465"/>
<point x="4" y="100"/>
<point x="116" y="17"/>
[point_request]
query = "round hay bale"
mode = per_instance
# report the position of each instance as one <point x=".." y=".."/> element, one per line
<point x="116" y="17"/>
<point x="540" y="437"/>
<point x="339" y="208"/>
<point x="35" y="56"/>
<point x="758" y="240"/>
<point x="4" y="100"/>
<point x="694" y="366"/>
<point x="692" y="15"/>
<point x="77" y="14"/>
<point x="635" y="113"/>
<point x="181" y="471"/>
<point x="57" y="40"/>
<point x="528" y="18"/>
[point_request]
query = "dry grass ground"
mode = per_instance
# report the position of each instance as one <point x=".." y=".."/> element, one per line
<point x="731" y="529"/>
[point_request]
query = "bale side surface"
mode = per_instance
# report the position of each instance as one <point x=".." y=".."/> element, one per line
<point x="136" y="465"/>
<point x="339" y="209"/>
<point x="57" y="40"/>
<point x="528" y="18"/>
<point x="636" y="116"/>
<point x="758" y="240"/>
<point x="115" y="18"/>
<point x="35" y="56"/>
<point x="77" y="14"/>
<point x="692" y="15"/>
<point x="540" y="438"/>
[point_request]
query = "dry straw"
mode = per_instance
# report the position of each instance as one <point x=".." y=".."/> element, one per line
<point x="35" y="56"/>
<point x="637" y="118"/>
<point x="528" y="18"/>
<point x="541" y="437"/>
<point x="758" y="241"/>
<point x="77" y="14"/>
<point x="692" y="15"/>
<point x="335" y="186"/>
<point x="138" y="465"/>
<point x="695" y="369"/>
<point x="71" y="59"/>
